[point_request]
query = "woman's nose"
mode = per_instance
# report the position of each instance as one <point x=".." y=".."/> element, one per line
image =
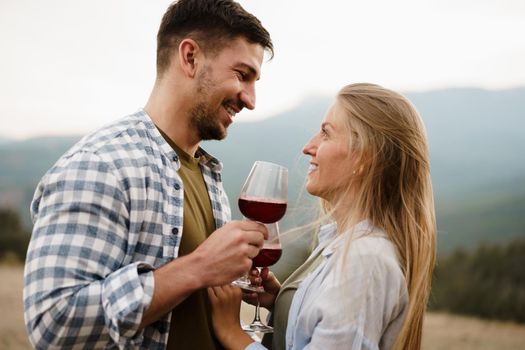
<point x="309" y="148"/>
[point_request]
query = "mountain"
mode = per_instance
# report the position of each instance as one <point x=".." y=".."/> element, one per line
<point x="23" y="163"/>
<point x="476" y="147"/>
<point x="475" y="135"/>
<point x="4" y="140"/>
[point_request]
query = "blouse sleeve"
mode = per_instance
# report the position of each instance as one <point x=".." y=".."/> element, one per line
<point x="256" y="346"/>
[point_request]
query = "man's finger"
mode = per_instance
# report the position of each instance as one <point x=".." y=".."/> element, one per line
<point x="255" y="238"/>
<point x="255" y="226"/>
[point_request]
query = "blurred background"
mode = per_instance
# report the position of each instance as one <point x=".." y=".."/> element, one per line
<point x="69" y="67"/>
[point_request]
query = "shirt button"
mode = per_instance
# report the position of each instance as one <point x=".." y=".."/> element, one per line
<point x="177" y="187"/>
<point x="175" y="230"/>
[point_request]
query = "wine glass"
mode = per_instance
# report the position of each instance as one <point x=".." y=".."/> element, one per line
<point x="263" y="198"/>
<point x="268" y="255"/>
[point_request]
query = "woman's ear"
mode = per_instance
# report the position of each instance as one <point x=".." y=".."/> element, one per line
<point x="359" y="165"/>
<point x="189" y="56"/>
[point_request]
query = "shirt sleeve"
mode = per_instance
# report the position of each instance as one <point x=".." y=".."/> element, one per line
<point x="357" y="304"/>
<point x="78" y="286"/>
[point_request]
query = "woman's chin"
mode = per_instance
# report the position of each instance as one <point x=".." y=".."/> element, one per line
<point x="312" y="190"/>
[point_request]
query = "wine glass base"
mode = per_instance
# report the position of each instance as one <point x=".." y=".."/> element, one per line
<point x="246" y="285"/>
<point x="257" y="327"/>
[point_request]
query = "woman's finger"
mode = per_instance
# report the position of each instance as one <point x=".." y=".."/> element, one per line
<point x="264" y="273"/>
<point x="211" y="294"/>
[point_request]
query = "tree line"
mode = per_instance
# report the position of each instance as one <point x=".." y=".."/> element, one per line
<point x="488" y="282"/>
<point x="14" y="237"/>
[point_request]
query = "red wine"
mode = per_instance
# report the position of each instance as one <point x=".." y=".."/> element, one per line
<point x="267" y="257"/>
<point x="262" y="210"/>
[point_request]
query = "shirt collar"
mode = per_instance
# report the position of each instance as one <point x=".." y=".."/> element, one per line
<point x="205" y="158"/>
<point x="327" y="232"/>
<point x="208" y="160"/>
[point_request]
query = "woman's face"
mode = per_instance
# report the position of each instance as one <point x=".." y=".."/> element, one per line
<point x="331" y="165"/>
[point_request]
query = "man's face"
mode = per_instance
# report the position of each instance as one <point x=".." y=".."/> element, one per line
<point x="225" y="85"/>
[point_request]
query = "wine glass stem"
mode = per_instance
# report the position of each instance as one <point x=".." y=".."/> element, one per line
<point x="257" y="311"/>
<point x="257" y="317"/>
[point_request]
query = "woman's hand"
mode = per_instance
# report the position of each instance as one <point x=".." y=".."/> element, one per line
<point x="271" y="288"/>
<point x="225" y="308"/>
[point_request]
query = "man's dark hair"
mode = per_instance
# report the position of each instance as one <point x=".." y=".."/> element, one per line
<point x="212" y="23"/>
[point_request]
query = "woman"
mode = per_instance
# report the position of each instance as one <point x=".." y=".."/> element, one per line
<point x="366" y="284"/>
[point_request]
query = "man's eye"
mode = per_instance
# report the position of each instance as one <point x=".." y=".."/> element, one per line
<point x="241" y="75"/>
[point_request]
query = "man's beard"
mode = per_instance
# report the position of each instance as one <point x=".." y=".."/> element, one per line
<point x="205" y="121"/>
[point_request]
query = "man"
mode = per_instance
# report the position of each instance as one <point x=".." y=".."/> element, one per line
<point x="133" y="221"/>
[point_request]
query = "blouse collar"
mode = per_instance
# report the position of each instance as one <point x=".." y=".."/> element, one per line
<point x="329" y="238"/>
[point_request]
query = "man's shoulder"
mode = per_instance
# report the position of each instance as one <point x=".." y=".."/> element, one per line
<point x="128" y="141"/>
<point x="129" y="132"/>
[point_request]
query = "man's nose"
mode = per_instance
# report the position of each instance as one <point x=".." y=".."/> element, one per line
<point x="248" y="97"/>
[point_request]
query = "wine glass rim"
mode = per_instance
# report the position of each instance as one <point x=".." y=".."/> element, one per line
<point x="270" y="163"/>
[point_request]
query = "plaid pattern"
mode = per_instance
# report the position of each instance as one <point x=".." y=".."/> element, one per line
<point x="105" y="216"/>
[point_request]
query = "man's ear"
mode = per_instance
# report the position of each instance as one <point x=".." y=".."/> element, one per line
<point x="190" y="54"/>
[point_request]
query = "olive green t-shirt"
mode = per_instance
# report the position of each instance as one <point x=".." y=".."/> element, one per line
<point x="191" y="326"/>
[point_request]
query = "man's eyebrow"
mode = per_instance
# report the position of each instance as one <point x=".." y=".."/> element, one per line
<point x="252" y="70"/>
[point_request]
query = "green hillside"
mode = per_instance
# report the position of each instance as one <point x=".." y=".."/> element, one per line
<point x="494" y="214"/>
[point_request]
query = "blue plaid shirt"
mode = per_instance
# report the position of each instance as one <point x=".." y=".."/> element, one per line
<point x="105" y="216"/>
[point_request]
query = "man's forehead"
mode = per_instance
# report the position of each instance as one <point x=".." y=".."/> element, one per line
<point x="242" y="53"/>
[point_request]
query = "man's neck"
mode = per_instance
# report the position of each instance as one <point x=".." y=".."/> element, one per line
<point x="170" y="113"/>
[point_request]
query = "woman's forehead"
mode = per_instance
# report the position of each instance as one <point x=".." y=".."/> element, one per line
<point x="336" y="117"/>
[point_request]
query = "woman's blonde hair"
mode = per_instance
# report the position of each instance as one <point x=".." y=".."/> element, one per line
<point x="391" y="187"/>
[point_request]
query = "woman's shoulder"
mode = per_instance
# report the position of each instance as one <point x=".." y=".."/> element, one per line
<point x="365" y="241"/>
<point x="376" y="244"/>
<point x="372" y="254"/>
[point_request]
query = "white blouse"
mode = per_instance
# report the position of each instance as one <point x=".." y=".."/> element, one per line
<point x="358" y="305"/>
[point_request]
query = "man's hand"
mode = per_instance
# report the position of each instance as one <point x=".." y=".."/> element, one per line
<point x="224" y="256"/>
<point x="227" y="253"/>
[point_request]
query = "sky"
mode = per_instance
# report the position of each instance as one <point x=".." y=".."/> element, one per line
<point x="68" y="67"/>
